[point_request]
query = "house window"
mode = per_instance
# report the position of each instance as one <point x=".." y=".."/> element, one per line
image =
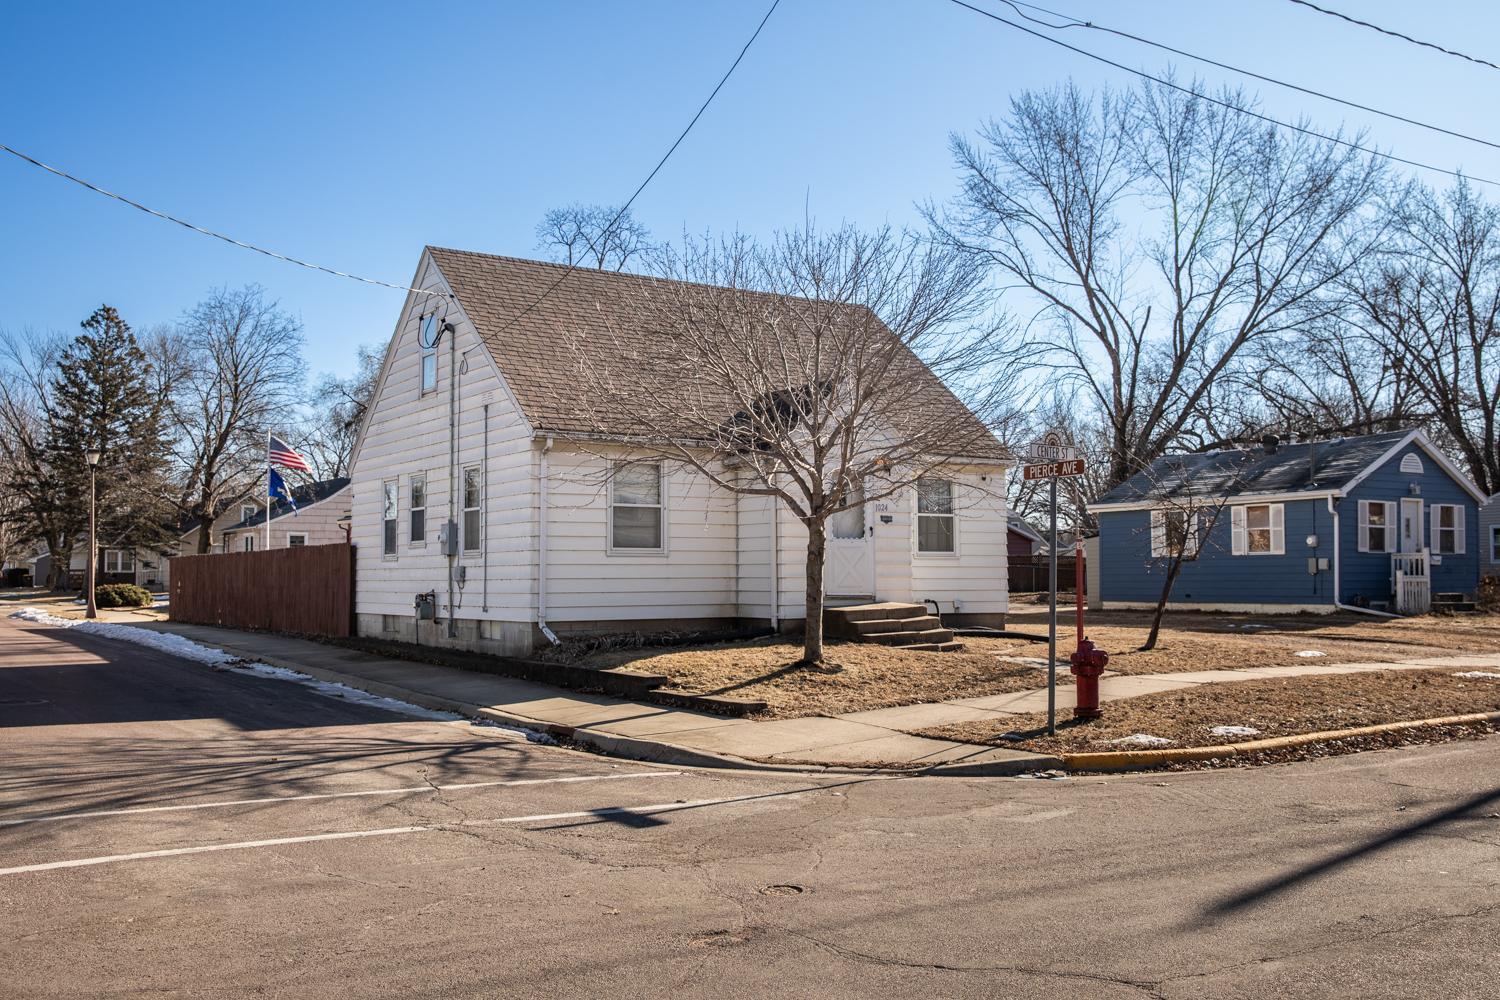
<point x="247" y="511"/>
<point x="247" y="544"/>
<point x="936" y="531"/>
<point x="1495" y="543"/>
<point x="429" y="353"/>
<point x="388" y="518"/>
<point x="1448" y="528"/>
<point x="1174" y="534"/>
<point x="418" y="510"/>
<point x="473" y="497"/>
<point x="1258" y="529"/>
<point x="119" y="561"/>
<point x="636" y="506"/>
<point x="1377" y="526"/>
<point x="296" y="540"/>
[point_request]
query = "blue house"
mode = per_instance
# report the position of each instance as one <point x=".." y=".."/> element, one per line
<point x="1381" y="521"/>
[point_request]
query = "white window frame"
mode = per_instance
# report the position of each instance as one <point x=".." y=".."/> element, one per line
<point x="247" y="542"/>
<point x="1239" y="529"/>
<point x="1436" y="529"/>
<point x="951" y="516"/>
<point x="296" y="534"/>
<point x="247" y="511"/>
<point x="1192" y="544"/>
<point x="1391" y="527"/>
<point x="115" y="561"/>
<point x="390" y="514"/>
<point x="477" y="509"/>
<point x="413" y="511"/>
<point x="660" y="507"/>
<point x="1495" y="543"/>
<point x="427" y="358"/>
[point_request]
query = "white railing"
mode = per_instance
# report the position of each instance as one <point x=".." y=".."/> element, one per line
<point x="1410" y="583"/>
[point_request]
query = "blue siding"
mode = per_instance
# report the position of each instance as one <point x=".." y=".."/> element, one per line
<point x="1127" y="572"/>
<point x="1368" y="574"/>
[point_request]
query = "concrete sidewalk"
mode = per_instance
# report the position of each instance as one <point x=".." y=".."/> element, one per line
<point x="628" y="729"/>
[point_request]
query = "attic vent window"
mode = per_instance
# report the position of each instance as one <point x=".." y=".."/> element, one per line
<point x="428" y="340"/>
<point x="1412" y="465"/>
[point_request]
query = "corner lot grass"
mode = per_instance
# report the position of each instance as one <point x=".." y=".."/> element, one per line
<point x="1275" y="707"/>
<point x="872" y="676"/>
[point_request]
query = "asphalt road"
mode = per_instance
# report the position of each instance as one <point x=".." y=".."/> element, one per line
<point x="171" y="830"/>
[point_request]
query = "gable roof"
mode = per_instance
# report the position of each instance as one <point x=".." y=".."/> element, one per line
<point x="1312" y="468"/>
<point x="304" y="496"/>
<point x="602" y="313"/>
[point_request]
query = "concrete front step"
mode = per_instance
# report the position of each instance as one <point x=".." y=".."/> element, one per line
<point x="877" y="625"/>
<point x="872" y="612"/>
<point x="930" y="635"/>
<point x="891" y="623"/>
<point x="936" y="647"/>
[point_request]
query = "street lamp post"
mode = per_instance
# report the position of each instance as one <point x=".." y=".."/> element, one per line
<point x="92" y="455"/>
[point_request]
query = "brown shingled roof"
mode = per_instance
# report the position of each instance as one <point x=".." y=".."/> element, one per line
<point x="599" y="311"/>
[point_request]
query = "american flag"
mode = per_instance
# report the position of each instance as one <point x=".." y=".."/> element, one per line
<point x="278" y="452"/>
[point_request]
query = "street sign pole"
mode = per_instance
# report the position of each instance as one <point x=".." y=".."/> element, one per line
<point x="1052" y="614"/>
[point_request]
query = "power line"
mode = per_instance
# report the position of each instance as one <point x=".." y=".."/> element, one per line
<point x="1225" y="104"/>
<point x="1016" y="5"/>
<point x="654" y="170"/>
<point x="1394" y="34"/>
<point x="207" y="232"/>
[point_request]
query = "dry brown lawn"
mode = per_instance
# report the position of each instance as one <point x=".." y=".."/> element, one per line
<point x="871" y="676"/>
<point x="1275" y="707"/>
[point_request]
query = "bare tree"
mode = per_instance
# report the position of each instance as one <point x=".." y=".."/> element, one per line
<point x="1431" y="304"/>
<point x="1160" y="236"/>
<point x="239" y="367"/>
<point x="794" y="370"/>
<point x="328" y="434"/>
<point x="36" y="505"/>
<point x="592" y="236"/>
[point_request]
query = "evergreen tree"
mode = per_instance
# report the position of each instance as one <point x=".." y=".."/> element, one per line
<point x="102" y="398"/>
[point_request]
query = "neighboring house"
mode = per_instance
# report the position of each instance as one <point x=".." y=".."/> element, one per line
<point x="1302" y="527"/>
<point x="547" y="535"/>
<point x="241" y="510"/>
<point x="1022" y="541"/>
<point x="116" y="565"/>
<point x="315" y="521"/>
<point x="1489" y="537"/>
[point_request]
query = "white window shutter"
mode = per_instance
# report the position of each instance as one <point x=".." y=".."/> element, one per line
<point x="1433" y="523"/>
<point x="1194" y="537"/>
<point x="1158" y="533"/>
<point x="1392" y="527"/>
<point x="1278" y="530"/>
<point x="1364" y="526"/>
<point x="1458" y="529"/>
<point x="1237" y="543"/>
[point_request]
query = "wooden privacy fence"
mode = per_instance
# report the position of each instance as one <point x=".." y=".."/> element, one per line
<point x="1030" y="574"/>
<point x="307" y="589"/>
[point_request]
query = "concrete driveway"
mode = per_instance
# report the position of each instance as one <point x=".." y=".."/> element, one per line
<point x="170" y="829"/>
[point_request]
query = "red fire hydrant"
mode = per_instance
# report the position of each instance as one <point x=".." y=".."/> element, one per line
<point x="1088" y="663"/>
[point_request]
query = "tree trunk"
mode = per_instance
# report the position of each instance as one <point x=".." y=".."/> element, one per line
<point x="1161" y="605"/>
<point x="58" y="576"/>
<point x="812" y="633"/>
<point x="204" y="541"/>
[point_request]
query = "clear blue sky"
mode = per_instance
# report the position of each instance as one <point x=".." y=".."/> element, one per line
<point x="353" y="133"/>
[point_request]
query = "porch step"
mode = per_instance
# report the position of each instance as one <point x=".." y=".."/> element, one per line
<point x="891" y="623"/>
<point x="878" y="625"/>
<point x="872" y="612"/>
<point x="936" y="647"/>
<point x="927" y="636"/>
<point x="1453" y="604"/>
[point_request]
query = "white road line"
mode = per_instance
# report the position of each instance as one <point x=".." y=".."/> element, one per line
<point x="391" y="831"/>
<point x="277" y="799"/>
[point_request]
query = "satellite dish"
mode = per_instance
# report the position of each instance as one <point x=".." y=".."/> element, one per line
<point x="430" y="333"/>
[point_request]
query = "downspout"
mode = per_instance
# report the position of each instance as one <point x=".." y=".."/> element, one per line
<point x="775" y="566"/>
<point x="1333" y="512"/>
<point x="543" y="475"/>
<point x="484" y="485"/>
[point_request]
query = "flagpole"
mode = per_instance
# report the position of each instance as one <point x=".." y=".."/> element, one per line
<point x="269" y="498"/>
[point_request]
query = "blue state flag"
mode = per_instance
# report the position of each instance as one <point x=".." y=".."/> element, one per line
<point x="278" y="490"/>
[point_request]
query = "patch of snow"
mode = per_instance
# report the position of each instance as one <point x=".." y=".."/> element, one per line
<point x="532" y="736"/>
<point x="1480" y="675"/>
<point x="176" y="645"/>
<point x="1142" y="740"/>
<point x="1311" y="652"/>
<point x="1234" y="731"/>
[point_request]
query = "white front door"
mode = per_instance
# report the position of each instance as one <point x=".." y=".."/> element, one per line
<point x="849" y="570"/>
<point x="1411" y="525"/>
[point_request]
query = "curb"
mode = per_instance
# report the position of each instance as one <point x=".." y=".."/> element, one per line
<point x="647" y="751"/>
<point x="1130" y="760"/>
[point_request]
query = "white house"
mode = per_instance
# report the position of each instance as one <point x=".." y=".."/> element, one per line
<point x="243" y="509"/>
<point x="314" y="521"/>
<point x="470" y="426"/>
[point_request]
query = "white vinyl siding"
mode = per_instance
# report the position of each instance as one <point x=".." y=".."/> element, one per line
<point x="1447" y="534"/>
<point x="636" y="512"/>
<point x="1258" y="529"/>
<point x="937" y="531"/>
<point x="1377" y="526"/>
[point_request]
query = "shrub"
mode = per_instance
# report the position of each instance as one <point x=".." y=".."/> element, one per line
<point x="122" y="595"/>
